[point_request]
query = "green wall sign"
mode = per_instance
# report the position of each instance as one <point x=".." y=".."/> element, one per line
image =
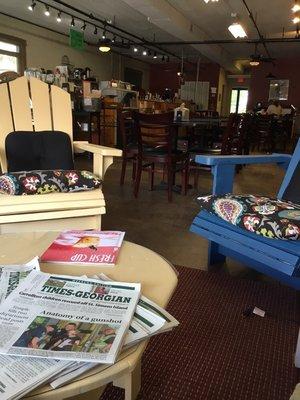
<point x="76" y="39"/>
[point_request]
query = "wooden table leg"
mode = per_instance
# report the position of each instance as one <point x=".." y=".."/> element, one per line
<point x="130" y="382"/>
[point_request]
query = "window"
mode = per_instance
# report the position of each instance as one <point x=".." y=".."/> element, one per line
<point x="239" y="100"/>
<point x="12" y="54"/>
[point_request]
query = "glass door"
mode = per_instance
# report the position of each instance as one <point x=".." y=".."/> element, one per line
<point x="239" y="100"/>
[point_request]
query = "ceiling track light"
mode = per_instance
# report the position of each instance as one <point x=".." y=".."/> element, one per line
<point x="113" y="39"/>
<point x="104" y="34"/>
<point x="31" y="6"/>
<point x="163" y="58"/>
<point x="296" y="7"/>
<point x="155" y="55"/>
<point x="83" y="28"/>
<point x="47" y="11"/>
<point x="135" y="49"/>
<point x="296" y="19"/>
<point x="144" y="53"/>
<point x="58" y="18"/>
<point x="95" y="30"/>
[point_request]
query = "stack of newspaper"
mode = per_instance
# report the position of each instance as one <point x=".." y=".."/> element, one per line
<point x="54" y="328"/>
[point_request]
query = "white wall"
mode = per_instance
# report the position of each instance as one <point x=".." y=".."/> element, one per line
<point x="45" y="49"/>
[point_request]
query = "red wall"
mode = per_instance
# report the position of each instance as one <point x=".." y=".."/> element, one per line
<point x="165" y="76"/>
<point x="284" y="69"/>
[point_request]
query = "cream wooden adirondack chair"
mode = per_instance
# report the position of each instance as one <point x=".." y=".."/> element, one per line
<point x="51" y="110"/>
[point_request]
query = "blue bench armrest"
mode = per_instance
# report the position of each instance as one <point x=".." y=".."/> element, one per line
<point x="236" y="160"/>
<point x="223" y="167"/>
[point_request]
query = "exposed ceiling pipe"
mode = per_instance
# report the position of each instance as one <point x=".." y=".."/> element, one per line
<point x="262" y="39"/>
<point x="229" y="41"/>
<point x="113" y="27"/>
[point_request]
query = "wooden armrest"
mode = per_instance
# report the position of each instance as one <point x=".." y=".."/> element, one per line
<point x="96" y="149"/>
<point x="246" y="160"/>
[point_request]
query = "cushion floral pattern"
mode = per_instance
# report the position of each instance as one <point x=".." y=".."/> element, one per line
<point x="264" y="216"/>
<point x="44" y="182"/>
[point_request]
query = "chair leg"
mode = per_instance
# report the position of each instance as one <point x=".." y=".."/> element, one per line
<point x="151" y="176"/>
<point x="138" y="178"/>
<point x="133" y="169"/>
<point x="170" y="181"/>
<point x="196" y="178"/>
<point x="214" y="257"/>
<point x="185" y="179"/>
<point x="164" y="170"/>
<point x="123" y="171"/>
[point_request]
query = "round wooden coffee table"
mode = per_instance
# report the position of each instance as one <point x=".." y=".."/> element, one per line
<point x="135" y="264"/>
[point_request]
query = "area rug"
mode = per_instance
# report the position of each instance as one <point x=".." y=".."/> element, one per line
<point x="218" y="353"/>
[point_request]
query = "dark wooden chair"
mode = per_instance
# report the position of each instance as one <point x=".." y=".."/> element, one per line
<point x="231" y="142"/>
<point x="235" y="138"/>
<point x="157" y="143"/>
<point x="263" y="137"/>
<point x="128" y="141"/>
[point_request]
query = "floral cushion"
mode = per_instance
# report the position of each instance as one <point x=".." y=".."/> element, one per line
<point x="43" y="182"/>
<point x="271" y="218"/>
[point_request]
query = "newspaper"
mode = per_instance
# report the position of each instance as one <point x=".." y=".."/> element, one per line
<point x="146" y="305"/>
<point x="155" y="320"/>
<point x="20" y="375"/>
<point x="67" y="318"/>
<point x="12" y="275"/>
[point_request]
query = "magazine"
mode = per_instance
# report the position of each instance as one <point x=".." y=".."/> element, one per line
<point x="85" y="247"/>
<point x="67" y="318"/>
<point x="12" y="275"/>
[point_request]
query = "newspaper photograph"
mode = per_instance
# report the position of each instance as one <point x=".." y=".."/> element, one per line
<point x="12" y="275"/>
<point x="67" y="318"/>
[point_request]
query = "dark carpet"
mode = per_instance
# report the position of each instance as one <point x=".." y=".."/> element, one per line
<point x="217" y="353"/>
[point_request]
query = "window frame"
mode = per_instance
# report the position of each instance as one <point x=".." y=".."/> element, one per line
<point x="238" y="89"/>
<point x="21" y="55"/>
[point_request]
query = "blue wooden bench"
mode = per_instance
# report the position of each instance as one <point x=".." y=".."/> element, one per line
<point x="279" y="259"/>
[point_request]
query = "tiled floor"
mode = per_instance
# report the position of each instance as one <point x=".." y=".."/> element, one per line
<point x="163" y="227"/>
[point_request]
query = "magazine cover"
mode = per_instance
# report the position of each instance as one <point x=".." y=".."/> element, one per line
<point x="85" y="247"/>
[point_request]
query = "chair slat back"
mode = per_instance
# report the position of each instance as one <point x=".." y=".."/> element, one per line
<point x="155" y="131"/>
<point x="40" y="105"/>
<point x="61" y="110"/>
<point x="32" y="105"/>
<point x="234" y="139"/>
<point x="126" y="128"/>
<point x="20" y="104"/>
